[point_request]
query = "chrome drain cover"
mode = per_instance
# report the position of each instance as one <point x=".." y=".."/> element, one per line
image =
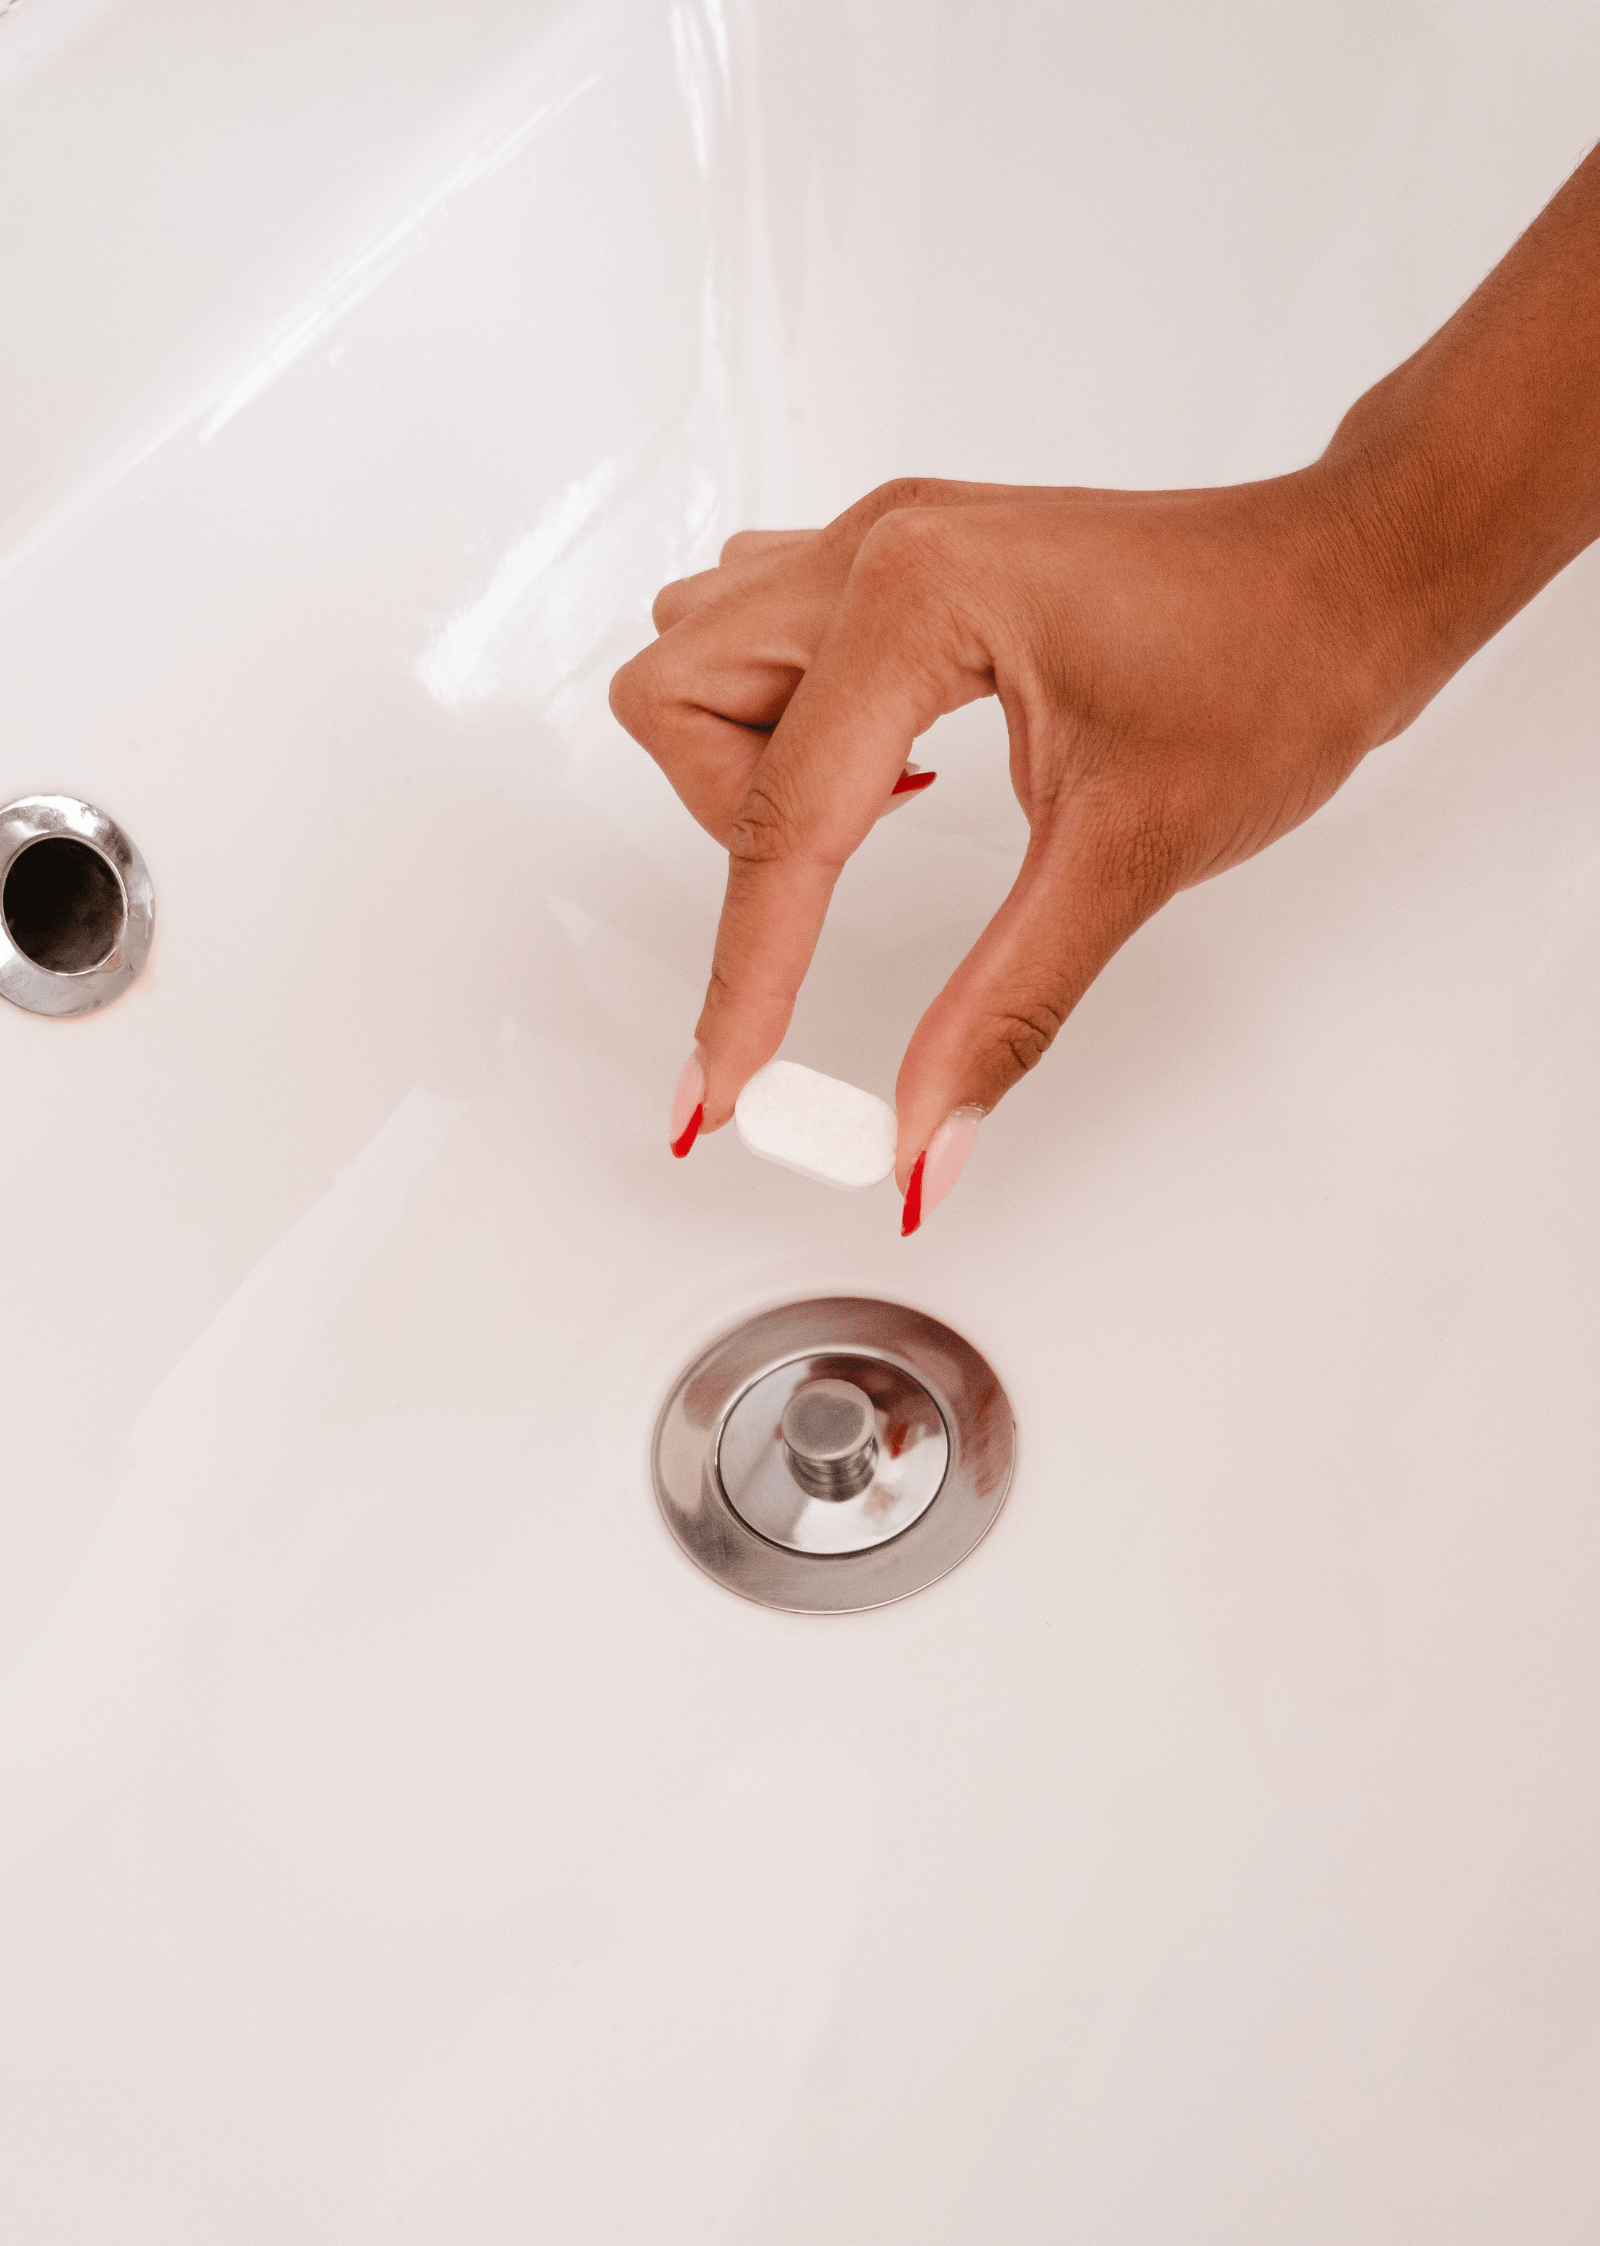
<point x="832" y="1455"/>
<point x="76" y="907"/>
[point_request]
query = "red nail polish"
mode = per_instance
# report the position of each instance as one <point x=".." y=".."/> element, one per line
<point x="691" y="1131"/>
<point x="910" y="782"/>
<point x="911" y="1214"/>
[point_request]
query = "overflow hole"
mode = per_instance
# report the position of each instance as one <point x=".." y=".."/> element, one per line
<point x="63" y="905"/>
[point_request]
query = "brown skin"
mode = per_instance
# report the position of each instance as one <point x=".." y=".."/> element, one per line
<point x="1185" y="675"/>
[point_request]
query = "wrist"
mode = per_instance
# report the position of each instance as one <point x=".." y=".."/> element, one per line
<point x="1465" y="480"/>
<point x="1344" y="603"/>
<point x="1414" y="584"/>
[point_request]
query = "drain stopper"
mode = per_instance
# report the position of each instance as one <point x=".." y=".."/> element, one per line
<point x="834" y="1454"/>
<point x="829" y="1438"/>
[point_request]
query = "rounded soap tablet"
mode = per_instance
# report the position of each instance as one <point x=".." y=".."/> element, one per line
<point x="816" y="1125"/>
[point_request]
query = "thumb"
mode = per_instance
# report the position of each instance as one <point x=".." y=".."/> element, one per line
<point x="1086" y="883"/>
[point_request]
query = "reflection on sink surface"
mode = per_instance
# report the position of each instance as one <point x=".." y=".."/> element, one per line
<point x="399" y="1838"/>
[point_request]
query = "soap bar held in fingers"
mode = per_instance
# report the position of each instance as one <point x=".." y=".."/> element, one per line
<point x="816" y="1125"/>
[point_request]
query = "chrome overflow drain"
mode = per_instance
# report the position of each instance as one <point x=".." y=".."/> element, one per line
<point x="76" y="908"/>
<point x="833" y="1455"/>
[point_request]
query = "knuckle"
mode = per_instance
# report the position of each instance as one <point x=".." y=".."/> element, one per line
<point x="764" y="829"/>
<point x="644" y="702"/>
<point x="896" y="496"/>
<point x="1027" y="1029"/>
<point x="906" y="551"/>
<point x="669" y="604"/>
<point x="631" y="700"/>
<point x="898" y="493"/>
<point x="682" y="597"/>
<point x="908" y="491"/>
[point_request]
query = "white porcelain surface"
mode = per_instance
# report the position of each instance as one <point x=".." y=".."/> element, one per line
<point x="401" y="1841"/>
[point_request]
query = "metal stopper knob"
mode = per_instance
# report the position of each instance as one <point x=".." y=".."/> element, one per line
<point x="830" y="1439"/>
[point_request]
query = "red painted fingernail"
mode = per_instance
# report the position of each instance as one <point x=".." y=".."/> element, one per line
<point x="939" y="1165"/>
<point x="911" y="1214"/>
<point x="910" y="782"/>
<point x="688" y="1107"/>
<point x="690" y="1132"/>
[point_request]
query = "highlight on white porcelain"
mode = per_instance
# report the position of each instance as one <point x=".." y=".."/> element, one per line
<point x="400" y="1838"/>
<point x="815" y="1124"/>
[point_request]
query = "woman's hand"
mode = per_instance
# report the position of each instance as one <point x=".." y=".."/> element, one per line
<point x="1185" y="677"/>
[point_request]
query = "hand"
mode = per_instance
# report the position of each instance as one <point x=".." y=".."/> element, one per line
<point x="1185" y="677"/>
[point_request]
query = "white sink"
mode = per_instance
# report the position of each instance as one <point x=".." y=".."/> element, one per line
<point x="399" y="1840"/>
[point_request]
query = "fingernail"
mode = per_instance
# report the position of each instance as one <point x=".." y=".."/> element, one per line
<point x="688" y="1107"/>
<point x="911" y="1214"/>
<point x="939" y="1165"/>
<point x="909" y="782"/>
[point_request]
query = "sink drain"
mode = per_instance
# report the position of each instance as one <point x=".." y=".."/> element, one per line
<point x="76" y="908"/>
<point x="833" y="1455"/>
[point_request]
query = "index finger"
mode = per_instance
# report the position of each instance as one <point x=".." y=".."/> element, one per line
<point x="894" y="659"/>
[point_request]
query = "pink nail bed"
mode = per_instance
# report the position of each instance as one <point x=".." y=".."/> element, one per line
<point x="947" y="1154"/>
<point x="688" y="1102"/>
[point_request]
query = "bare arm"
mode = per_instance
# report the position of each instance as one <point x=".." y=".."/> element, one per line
<point x="1474" y="468"/>
<point x="1185" y="675"/>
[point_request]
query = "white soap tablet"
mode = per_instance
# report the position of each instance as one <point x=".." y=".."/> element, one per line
<point x="816" y="1125"/>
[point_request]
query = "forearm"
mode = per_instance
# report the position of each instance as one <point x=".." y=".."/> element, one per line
<point x="1470" y="475"/>
<point x="1185" y="675"/>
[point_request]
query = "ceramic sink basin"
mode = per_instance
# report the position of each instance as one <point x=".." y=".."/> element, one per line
<point x="399" y="1839"/>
